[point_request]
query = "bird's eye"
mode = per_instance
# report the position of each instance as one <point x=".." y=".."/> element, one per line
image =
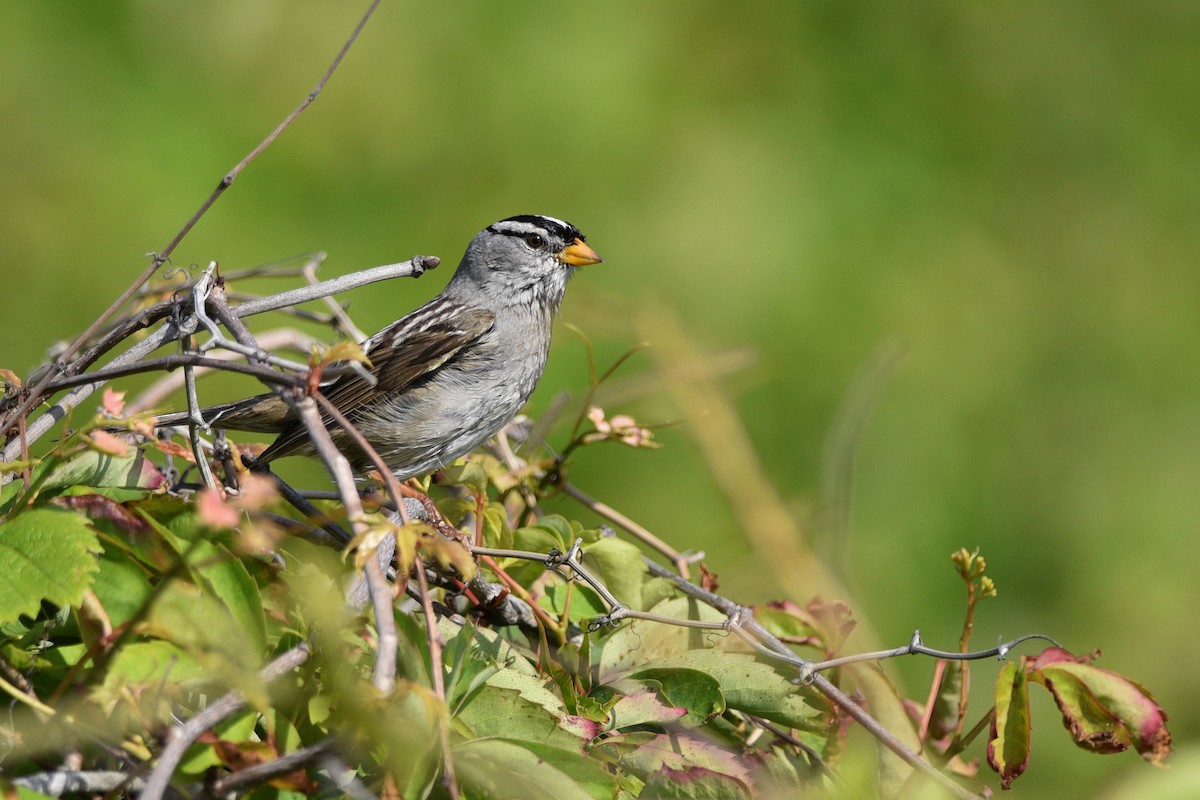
<point x="535" y="241"/>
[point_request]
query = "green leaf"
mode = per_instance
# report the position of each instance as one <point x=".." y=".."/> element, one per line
<point x="469" y="474"/>
<point x="746" y="684"/>
<point x="697" y="692"/>
<point x="21" y="793"/>
<point x="498" y="767"/>
<point x="753" y="687"/>
<point x="539" y="539"/>
<point x="159" y="665"/>
<point x="585" y="603"/>
<point x="318" y="708"/>
<point x="640" y="642"/>
<point x="496" y="532"/>
<point x="1008" y="746"/>
<point x="516" y="707"/>
<point x="621" y="566"/>
<point x="92" y="468"/>
<point x="211" y="635"/>
<point x="224" y="574"/>
<point x="45" y="554"/>
<point x="121" y="585"/>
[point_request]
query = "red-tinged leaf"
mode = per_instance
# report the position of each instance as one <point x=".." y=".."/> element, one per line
<point x="1056" y="655"/>
<point x="1008" y="747"/>
<point x="646" y="754"/>
<point x="1105" y="711"/>
<point x="113" y="402"/>
<point x="212" y="510"/>
<point x="106" y="443"/>
<point x="642" y="708"/>
<point x="11" y="377"/>
<point x="694" y="783"/>
<point x="106" y="513"/>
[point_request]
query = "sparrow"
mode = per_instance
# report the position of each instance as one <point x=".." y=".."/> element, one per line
<point x="453" y="372"/>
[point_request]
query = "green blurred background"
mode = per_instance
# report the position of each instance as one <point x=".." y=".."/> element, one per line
<point x="980" y="224"/>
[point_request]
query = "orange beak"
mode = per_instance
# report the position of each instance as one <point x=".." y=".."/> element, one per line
<point x="578" y="254"/>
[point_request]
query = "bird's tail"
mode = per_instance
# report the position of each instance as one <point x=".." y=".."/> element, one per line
<point x="265" y="413"/>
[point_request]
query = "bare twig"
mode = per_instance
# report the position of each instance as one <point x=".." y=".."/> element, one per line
<point x="917" y="647"/>
<point x="413" y="268"/>
<point x="270" y="769"/>
<point x="180" y="738"/>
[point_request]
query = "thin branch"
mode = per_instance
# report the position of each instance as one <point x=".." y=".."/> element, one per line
<point x="384" y="677"/>
<point x="195" y="422"/>
<point x="341" y="318"/>
<point x="180" y="738"/>
<point x="270" y="769"/>
<point x="413" y="268"/>
<point x="92" y="380"/>
<point x="917" y="647"/>
<point x="437" y="674"/>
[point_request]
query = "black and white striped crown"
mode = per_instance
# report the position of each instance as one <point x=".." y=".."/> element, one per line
<point x="524" y="224"/>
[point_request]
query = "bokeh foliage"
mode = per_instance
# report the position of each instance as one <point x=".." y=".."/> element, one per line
<point x="1009" y="194"/>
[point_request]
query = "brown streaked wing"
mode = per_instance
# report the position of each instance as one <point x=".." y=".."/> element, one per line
<point x="397" y="359"/>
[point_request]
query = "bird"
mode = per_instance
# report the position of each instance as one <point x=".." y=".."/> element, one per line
<point x="453" y="372"/>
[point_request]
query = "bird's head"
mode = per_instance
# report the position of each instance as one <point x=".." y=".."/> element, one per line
<point x="522" y="259"/>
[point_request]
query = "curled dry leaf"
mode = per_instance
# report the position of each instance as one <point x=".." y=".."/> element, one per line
<point x="1105" y="711"/>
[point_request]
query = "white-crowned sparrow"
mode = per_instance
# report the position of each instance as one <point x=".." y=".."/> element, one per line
<point x="455" y="371"/>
